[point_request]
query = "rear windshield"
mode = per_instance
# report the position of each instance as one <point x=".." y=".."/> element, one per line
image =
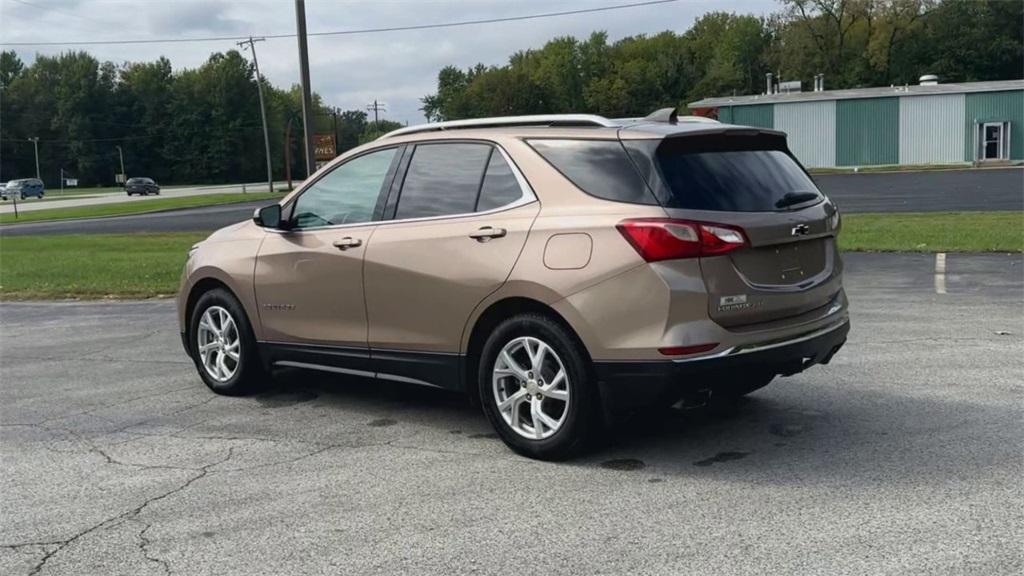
<point x="751" y="176"/>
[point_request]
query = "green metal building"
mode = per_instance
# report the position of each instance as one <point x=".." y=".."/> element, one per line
<point x="927" y="123"/>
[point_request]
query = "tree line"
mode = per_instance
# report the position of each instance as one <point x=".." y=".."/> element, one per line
<point x="854" y="43"/>
<point x="202" y="125"/>
<point x="197" y="125"/>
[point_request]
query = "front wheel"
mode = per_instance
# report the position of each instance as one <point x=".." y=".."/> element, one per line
<point x="223" y="345"/>
<point x="536" y="389"/>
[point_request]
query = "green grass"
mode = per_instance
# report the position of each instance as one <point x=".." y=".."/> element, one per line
<point x="147" y="265"/>
<point x="934" y="232"/>
<point x="123" y="208"/>
<point x="93" y="266"/>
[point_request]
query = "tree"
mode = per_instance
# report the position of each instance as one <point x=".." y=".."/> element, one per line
<point x="10" y="67"/>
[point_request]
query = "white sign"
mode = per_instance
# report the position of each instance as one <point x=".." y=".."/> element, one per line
<point x="119" y="178"/>
<point x="71" y="181"/>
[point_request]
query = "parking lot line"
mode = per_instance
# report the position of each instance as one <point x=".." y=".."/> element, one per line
<point x="940" y="273"/>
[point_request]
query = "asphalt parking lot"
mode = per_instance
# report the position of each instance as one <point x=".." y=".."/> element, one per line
<point x="903" y="456"/>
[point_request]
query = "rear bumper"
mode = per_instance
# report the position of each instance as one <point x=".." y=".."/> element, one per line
<point x="627" y="385"/>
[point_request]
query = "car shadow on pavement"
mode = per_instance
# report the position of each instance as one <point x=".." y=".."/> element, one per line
<point x="799" y="432"/>
<point x="843" y="436"/>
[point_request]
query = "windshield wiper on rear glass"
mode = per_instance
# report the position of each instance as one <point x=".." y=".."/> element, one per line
<point x="791" y="198"/>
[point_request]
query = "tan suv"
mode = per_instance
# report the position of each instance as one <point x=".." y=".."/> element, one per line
<point x="560" y="269"/>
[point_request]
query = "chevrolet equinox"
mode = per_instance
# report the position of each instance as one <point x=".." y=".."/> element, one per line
<point x="559" y="269"/>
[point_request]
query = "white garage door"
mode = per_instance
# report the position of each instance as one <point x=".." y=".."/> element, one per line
<point x="811" y="127"/>
<point x="932" y="129"/>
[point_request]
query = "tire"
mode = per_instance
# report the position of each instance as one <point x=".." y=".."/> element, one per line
<point x="235" y="377"/>
<point x="576" y="418"/>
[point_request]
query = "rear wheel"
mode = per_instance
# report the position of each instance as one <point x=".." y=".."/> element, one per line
<point x="223" y="345"/>
<point x="535" y="388"/>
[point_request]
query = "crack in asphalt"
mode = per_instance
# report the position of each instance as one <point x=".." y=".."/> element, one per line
<point x="91" y="411"/>
<point x="130" y="515"/>
<point x="144" y="543"/>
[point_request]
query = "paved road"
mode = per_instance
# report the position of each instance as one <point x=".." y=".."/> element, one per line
<point x="205" y="219"/>
<point x="120" y="197"/>
<point x="935" y="191"/>
<point x="901" y="457"/>
<point x="994" y="189"/>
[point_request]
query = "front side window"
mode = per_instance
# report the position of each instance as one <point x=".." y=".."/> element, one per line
<point x="346" y="195"/>
<point x="442" y="180"/>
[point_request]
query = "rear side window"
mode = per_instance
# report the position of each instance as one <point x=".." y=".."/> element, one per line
<point x="600" y="168"/>
<point x="442" y="179"/>
<point x="729" y="174"/>
<point x="500" y="186"/>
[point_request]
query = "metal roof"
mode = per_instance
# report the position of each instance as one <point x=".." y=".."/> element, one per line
<point x="880" y="92"/>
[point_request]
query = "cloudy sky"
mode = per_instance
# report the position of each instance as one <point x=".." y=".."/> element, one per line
<point x="348" y="71"/>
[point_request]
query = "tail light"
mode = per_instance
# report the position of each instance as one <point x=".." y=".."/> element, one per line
<point x="668" y="239"/>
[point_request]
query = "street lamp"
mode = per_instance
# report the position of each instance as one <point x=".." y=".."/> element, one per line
<point x="120" y="153"/>
<point x="35" y="142"/>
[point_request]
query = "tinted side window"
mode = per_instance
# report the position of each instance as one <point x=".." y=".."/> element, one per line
<point x="346" y="195"/>
<point x="442" y="179"/>
<point x="500" y="185"/>
<point x="598" y="167"/>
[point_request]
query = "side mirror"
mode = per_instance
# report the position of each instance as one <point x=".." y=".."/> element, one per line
<point x="268" y="216"/>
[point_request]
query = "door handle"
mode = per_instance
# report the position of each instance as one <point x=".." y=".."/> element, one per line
<point x="486" y="233"/>
<point x="347" y="242"/>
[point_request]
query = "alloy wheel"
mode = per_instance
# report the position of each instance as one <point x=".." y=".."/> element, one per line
<point x="531" y="388"/>
<point x="218" y="343"/>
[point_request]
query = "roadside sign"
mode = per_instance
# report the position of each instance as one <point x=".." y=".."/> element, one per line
<point x="69" y="182"/>
<point x="323" y="146"/>
<point x="119" y="178"/>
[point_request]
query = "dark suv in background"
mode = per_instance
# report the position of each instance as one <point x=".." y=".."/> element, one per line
<point x="142" y="186"/>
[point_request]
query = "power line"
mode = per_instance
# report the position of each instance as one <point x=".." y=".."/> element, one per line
<point x="59" y="10"/>
<point x="350" y="32"/>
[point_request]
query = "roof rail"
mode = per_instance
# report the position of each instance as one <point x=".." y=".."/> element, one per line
<point x="534" y="120"/>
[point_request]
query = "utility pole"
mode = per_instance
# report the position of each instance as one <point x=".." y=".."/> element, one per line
<point x="377" y="107"/>
<point x="124" y="176"/>
<point x="251" y="43"/>
<point x="288" y="154"/>
<point x="307" y="95"/>
<point x="35" y="141"/>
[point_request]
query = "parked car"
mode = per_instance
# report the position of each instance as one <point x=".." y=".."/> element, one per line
<point x="3" y="190"/>
<point x="25" y="188"/>
<point x="561" y="270"/>
<point x="142" y="186"/>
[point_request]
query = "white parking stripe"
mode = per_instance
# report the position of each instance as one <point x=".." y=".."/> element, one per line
<point x="940" y="273"/>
